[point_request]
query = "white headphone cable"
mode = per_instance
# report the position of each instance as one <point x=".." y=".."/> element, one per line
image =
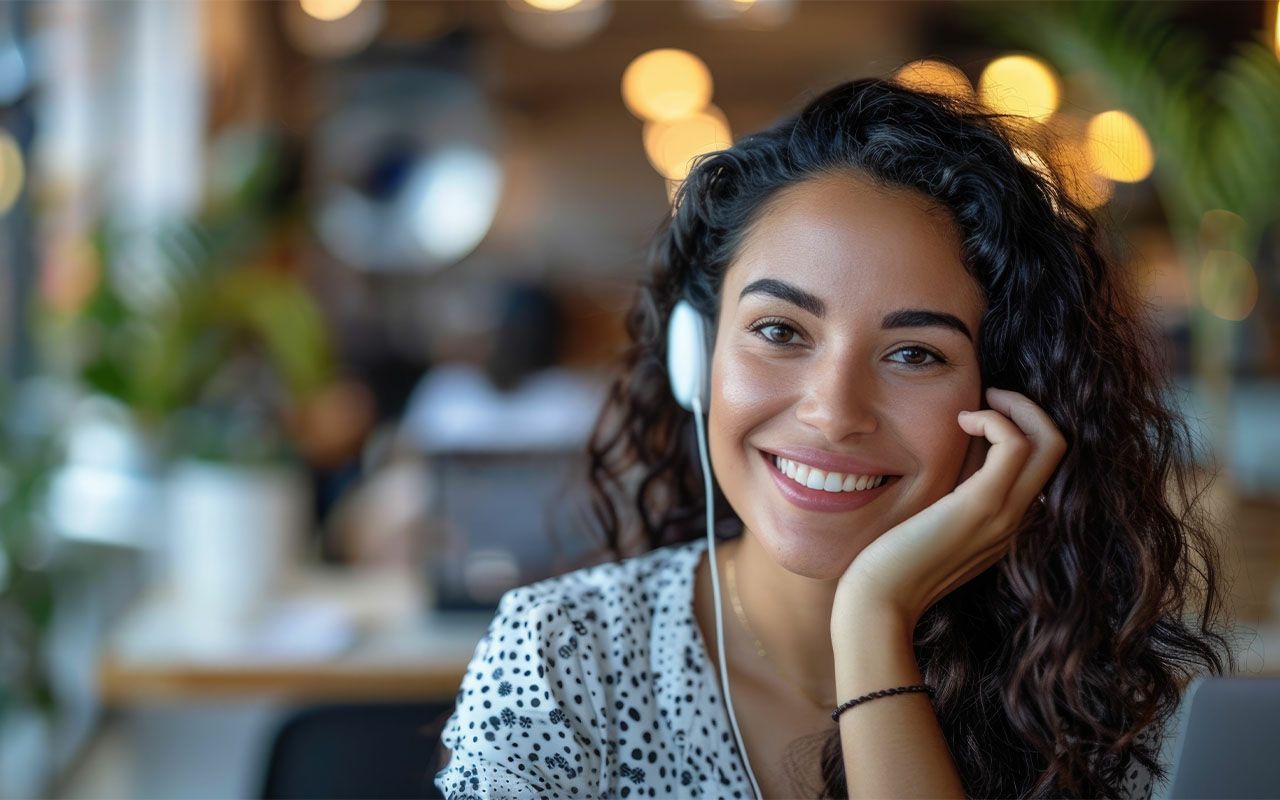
<point x="715" y="589"/>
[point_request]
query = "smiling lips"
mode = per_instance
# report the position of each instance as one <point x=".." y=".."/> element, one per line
<point x="824" y="490"/>
<point x="814" y="478"/>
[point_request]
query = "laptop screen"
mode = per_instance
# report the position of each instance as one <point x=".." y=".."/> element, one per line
<point x="502" y="520"/>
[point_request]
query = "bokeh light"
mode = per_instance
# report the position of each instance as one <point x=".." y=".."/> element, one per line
<point x="1020" y="85"/>
<point x="338" y="37"/>
<point x="329" y="10"/>
<point x="552" y="5"/>
<point x="556" y="24"/>
<point x="1118" y="147"/>
<point x="1228" y="285"/>
<point x="1222" y="230"/>
<point x="670" y="146"/>
<point x="666" y="84"/>
<point x="12" y="171"/>
<point x="1275" y="34"/>
<point x="939" y="77"/>
<point x="1069" y="157"/>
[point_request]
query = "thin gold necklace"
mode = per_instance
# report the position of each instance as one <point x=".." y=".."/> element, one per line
<point x="742" y="617"/>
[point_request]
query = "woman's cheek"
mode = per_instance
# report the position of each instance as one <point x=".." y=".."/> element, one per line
<point x="744" y="396"/>
<point x="939" y="441"/>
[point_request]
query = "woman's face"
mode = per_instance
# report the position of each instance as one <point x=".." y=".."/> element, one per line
<point x="863" y="349"/>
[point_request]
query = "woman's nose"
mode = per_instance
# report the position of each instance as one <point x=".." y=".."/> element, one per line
<point x="839" y="401"/>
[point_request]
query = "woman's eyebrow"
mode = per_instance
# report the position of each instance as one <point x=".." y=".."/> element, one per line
<point x="924" y="318"/>
<point x="789" y="292"/>
<point x="902" y="318"/>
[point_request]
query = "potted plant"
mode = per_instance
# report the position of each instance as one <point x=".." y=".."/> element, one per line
<point x="200" y="329"/>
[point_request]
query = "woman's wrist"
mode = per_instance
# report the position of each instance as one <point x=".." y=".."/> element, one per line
<point x="872" y="644"/>
<point x="859" y="618"/>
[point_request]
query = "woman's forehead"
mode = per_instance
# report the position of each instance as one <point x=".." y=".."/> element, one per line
<point x="853" y="241"/>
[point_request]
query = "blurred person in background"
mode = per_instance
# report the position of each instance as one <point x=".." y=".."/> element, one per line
<point x="512" y="397"/>
<point x="516" y="397"/>
<point x="1030" y="571"/>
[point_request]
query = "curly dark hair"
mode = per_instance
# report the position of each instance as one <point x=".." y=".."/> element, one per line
<point x="1051" y="664"/>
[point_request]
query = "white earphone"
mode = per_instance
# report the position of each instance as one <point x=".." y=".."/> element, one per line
<point x="689" y="371"/>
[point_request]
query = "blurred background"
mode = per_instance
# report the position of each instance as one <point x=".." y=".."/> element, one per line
<point x="308" y="307"/>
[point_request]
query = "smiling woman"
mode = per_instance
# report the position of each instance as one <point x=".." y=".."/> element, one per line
<point x="913" y="337"/>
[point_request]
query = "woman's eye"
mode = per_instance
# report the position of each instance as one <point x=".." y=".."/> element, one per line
<point x="775" y="332"/>
<point x="918" y="357"/>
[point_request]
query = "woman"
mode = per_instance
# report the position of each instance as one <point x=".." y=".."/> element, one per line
<point x="944" y="461"/>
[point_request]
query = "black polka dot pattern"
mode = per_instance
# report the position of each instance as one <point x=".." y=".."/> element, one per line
<point x="1137" y="778"/>
<point x="597" y="683"/>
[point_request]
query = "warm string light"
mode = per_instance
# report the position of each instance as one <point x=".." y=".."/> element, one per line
<point x="670" y="89"/>
<point x="1118" y="147"/>
<point x="939" y="77"/>
<point x="328" y="10"/>
<point x="552" y="5"/>
<point x="666" y="84"/>
<point x="1020" y="85"/>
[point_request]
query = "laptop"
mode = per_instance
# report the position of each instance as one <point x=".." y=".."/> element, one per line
<point x="1227" y="742"/>
<point x="501" y="520"/>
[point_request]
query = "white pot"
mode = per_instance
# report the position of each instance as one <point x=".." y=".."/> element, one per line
<point x="233" y="532"/>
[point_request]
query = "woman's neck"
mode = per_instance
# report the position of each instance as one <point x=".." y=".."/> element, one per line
<point x="789" y="614"/>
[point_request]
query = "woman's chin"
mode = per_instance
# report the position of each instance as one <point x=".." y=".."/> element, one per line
<point x="816" y="554"/>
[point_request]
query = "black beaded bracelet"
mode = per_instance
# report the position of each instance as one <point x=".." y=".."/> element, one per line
<point x="848" y="704"/>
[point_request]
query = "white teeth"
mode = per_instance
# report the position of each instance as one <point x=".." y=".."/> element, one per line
<point x="815" y="478"/>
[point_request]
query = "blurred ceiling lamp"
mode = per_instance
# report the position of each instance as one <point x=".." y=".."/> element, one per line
<point x="1118" y="147"/>
<point x="1020" y="85"/>
<point x="670" y="146"/>
<point x="750" y="14"/>
<point x="553" y="5"/>
<point x="328" y="10"/>
<point x="1228" y="285"/>
<point x="333" y="37"/>
<point x="665" y="85"/>
<point x="556" y="23"/>
<point x="12" y="171"/>
<point x="407" y="172"/>
<point x="451" y="201"/>
<point x="939" y="77"/>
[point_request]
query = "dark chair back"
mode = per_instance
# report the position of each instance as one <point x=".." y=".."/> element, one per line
<point x="364" y="750"/>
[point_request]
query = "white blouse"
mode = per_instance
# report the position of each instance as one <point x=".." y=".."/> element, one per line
<point x="597" y="683"/>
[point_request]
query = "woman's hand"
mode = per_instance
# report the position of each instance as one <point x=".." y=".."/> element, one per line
<point x="914" y="564"/>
